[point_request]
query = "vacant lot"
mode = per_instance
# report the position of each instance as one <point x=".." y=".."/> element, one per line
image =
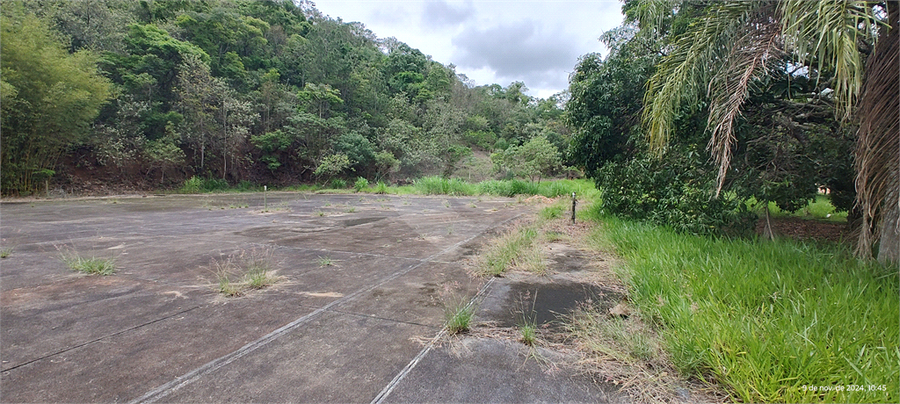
<point x="359" y="282"/>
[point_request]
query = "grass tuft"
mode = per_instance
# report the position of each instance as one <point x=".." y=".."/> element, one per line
<point x="506" y="250"/>
<point x="6" y="252"/>
<point x="238" y="274"/>
<point x="459" y="317"/>
<point x="91" y="265"/>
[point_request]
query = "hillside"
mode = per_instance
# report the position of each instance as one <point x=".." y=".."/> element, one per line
<point x="115" y="94"/>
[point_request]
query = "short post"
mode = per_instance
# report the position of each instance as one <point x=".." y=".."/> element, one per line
<point x="265" y="200"/>
<point x="574" y="201"/>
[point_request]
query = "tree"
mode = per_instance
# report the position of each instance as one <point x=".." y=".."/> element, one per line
<point x="734" y="43"/>
<point x="49" y="97"/>
<point x="199" y="95"/>
<point x="534" y="159"/>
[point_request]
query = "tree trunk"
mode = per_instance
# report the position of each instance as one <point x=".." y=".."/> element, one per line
<point x="767" y="232"/>
<point x="889" y="246"/>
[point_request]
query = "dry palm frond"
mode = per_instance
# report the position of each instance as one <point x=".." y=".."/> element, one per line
<point x="748" y="59"/>
<point x="878" y="144"/>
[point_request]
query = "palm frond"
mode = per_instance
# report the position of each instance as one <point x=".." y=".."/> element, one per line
<point x="878" y="145"/>
<point x="827" y="33"/>
<point x="684" y="75"/>
<point x="729" y="89"/>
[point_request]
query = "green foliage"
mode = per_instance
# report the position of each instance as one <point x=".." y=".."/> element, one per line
<point x="360" y="184"/>
<point x="444" y="186"/>
<point x="358" y="149"/>
<point x="606" y="100"/>
<point x="535" y="159"/>
<point x="49" y="97"/>
<point x="338" y="183"/>
<point x="249" y="270"/>
<point x="506" y="250"/>
<point x="239" y="89"/>
<point x="766" y="318"/>
<point x="484" y="140"/>
<point x="332" y="165"/>
<point x="674" y="190"/>
<point x="381" y="188"/>
<point x="196" y="185"/>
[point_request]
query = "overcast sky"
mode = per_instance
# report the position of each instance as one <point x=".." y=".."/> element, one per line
<point x="536" y="42"/>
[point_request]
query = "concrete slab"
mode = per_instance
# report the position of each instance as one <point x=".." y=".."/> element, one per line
<point x="157" y="330"/>
<point x="486" y="370"/>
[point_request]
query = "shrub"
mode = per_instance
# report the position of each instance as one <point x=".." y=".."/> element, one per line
<point x="338" y="183"/>
<point x="672" y="191"/>
<point x="381" y="188"/>
<point x="361" y="183"/>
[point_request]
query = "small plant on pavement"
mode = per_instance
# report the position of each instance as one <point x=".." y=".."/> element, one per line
<point x="91" y="265"/>
<point x="458" y="310"/>
<point x="528" y="325"/>
<point x="237" y="274"/>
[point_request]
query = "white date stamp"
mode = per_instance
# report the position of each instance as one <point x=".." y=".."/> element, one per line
<point x="844" y="387"/>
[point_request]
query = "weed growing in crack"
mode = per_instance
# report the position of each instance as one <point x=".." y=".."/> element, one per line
<point x="351" y="209"/>
<point x="459" y="317"/>
<point x="91" y="265"/>
<point x="458" y="310"/>
<point x="237" y="274"/>
<point x="325" y="261"/>
<point x="6" y="252"/>
<point x="528" y="323"/>
<point x="528" y="333"/>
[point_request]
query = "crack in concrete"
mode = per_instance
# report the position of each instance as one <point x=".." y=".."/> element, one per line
<point x="386" y="391"/>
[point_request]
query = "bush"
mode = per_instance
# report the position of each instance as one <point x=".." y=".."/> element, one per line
<point x="361" y="183"/>
<point x="381" y="188"/>
<point x="338" y="183"/>
<point x="672" y="191"/>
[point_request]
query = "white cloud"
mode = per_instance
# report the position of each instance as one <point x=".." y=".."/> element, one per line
<point x="537" y="42"/>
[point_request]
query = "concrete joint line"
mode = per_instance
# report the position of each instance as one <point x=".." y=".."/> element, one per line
<point x="379" y="399"/>
<point x="215" y="364"/>
<point x="100" y="339"/>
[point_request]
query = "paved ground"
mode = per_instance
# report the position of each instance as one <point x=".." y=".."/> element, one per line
<point x="354" y="331"/>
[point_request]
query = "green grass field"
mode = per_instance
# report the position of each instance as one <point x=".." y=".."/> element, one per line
<point x="770" y="321"/>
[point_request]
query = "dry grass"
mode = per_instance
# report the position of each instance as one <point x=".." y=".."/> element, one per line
<point x="627" y="353"/>
<point x="240" y="273"/>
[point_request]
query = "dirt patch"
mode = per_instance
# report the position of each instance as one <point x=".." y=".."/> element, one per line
<point x="805" y="229"/>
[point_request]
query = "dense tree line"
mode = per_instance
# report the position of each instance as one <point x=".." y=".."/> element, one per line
<point x="154" y="92"/>
<point x="703" y="106"/>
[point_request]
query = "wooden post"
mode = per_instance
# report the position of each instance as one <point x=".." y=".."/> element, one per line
<point x="574" y="201"/>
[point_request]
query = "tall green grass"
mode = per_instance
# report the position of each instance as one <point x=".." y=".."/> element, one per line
<point x="771" y="321"/>
<point x="507" y="188"/>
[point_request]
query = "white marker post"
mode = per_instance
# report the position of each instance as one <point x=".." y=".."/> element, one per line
<point x="265" y="200"/>
<point x="573" y="207"/>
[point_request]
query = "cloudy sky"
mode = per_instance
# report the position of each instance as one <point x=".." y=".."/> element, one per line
<point x="492" y="41"/>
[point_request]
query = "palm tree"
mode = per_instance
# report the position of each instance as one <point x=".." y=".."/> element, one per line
<point x="736" y="42"/>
